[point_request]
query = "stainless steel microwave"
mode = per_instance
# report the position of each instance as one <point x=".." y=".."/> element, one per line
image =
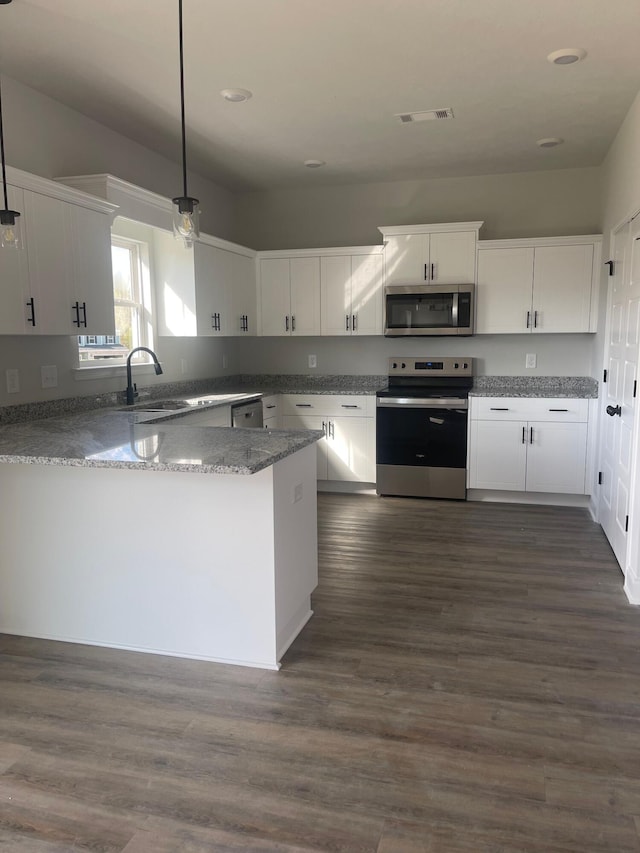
<point x="428" y="309"/>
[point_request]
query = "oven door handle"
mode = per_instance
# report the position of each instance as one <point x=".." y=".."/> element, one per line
<point x="421" y="403"/>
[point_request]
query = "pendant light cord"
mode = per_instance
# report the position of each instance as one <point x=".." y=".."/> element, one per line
<point x="184" y="135"/>
<point x="4" y="168"/>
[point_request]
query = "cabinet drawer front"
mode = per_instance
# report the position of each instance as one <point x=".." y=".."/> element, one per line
<point x="331" y="405"/>
<point x="529" y="408"/>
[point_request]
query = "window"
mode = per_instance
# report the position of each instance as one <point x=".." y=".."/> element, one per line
<point x="132" y="306"/>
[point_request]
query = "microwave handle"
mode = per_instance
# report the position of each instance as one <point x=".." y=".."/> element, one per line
<point x="454" y="310"/>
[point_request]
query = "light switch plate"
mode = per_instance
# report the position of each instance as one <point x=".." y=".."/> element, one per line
<point x="13" y="380"/>
<point x="531" y="359"/>
<point x="49" y="374"/>
<point x="313" y="361"/>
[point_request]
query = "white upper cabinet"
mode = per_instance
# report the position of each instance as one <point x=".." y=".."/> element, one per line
<point x="538" y="286"/>
<point x="431" y="254"/>
<point x="243" y="297"/>
<point x="92" y="281"/>
<point x="351" y="294"/>
<point x="289" y="295"/>
<point x="214" y="290"/>
<point x="15" y="293"/>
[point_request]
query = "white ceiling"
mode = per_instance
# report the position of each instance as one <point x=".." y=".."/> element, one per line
<point x="327" y="79"/>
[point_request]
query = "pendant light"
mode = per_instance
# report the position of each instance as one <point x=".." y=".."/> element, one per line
<point x="9" y="219"/>
<point x="186" y="213"/>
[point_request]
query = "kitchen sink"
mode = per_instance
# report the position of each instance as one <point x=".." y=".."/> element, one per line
<point x="158" y="406"/>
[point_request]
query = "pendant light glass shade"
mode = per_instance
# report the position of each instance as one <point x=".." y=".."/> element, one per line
<point x="186" y="215"/>
<point x="186" y="219"/>
<point x="10" y="230"/>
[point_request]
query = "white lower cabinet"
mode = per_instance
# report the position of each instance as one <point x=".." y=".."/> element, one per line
<point x="271" y="411"/>
<point x="348" y="450"/>
<point x="528" y="445"/>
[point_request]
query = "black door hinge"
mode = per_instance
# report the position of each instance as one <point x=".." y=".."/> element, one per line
<point x="610" y="265"/>
<point x="599" y="478"/>
<point x="626" y="524"/>
<point x="604" y="376"/>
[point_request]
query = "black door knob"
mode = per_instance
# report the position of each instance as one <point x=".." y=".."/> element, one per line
<point x="614" y="410"/>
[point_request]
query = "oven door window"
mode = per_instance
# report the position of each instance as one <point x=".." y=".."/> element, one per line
<point x="435" y="438"/>
<point x="422" y="311"/>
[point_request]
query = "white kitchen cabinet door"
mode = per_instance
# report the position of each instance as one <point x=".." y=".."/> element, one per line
<point x="366" y="294"/>
<point x="556" y="457"/>
<point x="504" y="291"/>
<point x="335" y="295"/>
<point x="562" y="288"/>
<point x="92" y="290"/>
<point x="305" y="296"/>
<point x="441" y="257"/>
<point x="14" y="278"/>
<point x="275" y="296"/>
<point x="214" y="282"/>
<point x="271" y="411"/>
<point x="407" y="259"/>
<point x="497" y="455"/>
<point x="243" y="296"/>
<point x="452" y="257"/>
<point x="311" y="422"/>
<point x="48" y="243"/>
<point x="351" y="449"/>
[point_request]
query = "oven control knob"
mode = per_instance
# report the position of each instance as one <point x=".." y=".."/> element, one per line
<point x="403" y="364"/>
<point x="456" y="365"/>
<point x="395" y="364"/>
<point x="465" y="365"/>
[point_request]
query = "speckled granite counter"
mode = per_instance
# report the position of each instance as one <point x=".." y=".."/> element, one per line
<point x="534" y="386"/>
<point x="114" y="439"/>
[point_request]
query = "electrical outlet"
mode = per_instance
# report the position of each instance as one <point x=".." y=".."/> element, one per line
<point x="13" y="381"/>
<point x="531" y="359"/>
<point x="49" y="374"/>
<point x="313" y="361"/>
<point x="297" y="493"/>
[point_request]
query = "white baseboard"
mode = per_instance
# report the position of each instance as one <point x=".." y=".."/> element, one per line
<point x="538" y="498"/>
<point x="632" y="588"/>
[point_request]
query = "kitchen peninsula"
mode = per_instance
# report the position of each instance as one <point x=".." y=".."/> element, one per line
<point x="198" y="542"/>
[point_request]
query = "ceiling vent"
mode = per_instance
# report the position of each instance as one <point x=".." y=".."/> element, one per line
<point x="425" y="115"/>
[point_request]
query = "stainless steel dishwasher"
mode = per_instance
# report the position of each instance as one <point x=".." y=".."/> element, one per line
<point x="247" y="415"/>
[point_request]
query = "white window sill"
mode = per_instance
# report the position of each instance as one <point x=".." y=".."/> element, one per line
<point x="112" y="371"/>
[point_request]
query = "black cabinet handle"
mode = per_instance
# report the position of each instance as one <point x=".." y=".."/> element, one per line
<point x="531" y="436"/>
<point x="293" y="322"/>
<point x="558" y="410"/>
<point x="499" y="409"/>
<point x="353" y="322"/>
<point x="76" y="308"/>
<point x="304" y="406"/>
<point x="31" y="305"/>
<point x="426" y="274"/>
<point x="347" y="323"/>
<point x="528" y="318"/>
<point x="84" y="314"/>
<point x="286" y="323"/>
<point x="614" y="410"/>
<point x="270" y="405"/>
<point x="535" y="319"/>
<point x="524" y="432"/>
<point x="433" y="272"/>
<point x="349" y="406"/>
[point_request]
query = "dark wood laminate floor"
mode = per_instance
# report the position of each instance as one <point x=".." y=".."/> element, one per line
<point x="470" y="682"/>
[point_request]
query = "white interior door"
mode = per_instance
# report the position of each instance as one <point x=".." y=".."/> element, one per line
<point x="618" y="400"/>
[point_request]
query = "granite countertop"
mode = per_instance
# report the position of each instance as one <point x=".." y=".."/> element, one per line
<point x="535" y="386"/>
<point x="116" y="439"/>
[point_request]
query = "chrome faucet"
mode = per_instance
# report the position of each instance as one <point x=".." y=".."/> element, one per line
<point x="132" y="389"/>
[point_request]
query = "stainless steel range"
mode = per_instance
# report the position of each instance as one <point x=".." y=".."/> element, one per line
<point x="421" y="428"/>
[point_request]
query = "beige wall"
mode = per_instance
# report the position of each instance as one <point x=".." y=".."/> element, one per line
<point x="530" y="204"/>
<point x="47" y="138"/>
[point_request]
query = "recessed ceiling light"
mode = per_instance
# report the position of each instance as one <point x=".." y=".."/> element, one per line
<point x="314" y="164"/>
<point x="236" y="95"/>
<point x="550" y="142"/>
<point x="566" y="56"/>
